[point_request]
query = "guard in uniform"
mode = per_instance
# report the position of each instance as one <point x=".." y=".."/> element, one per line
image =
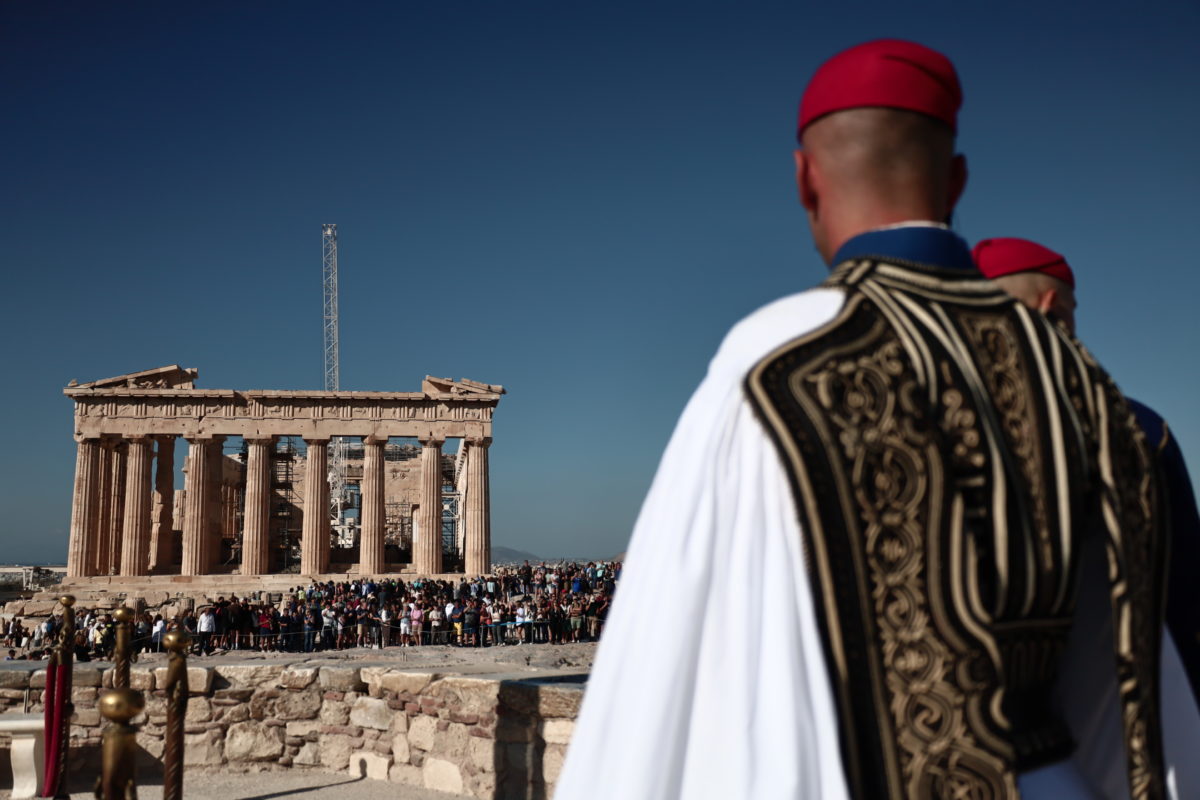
<point x="887" y="508"/>
<point x="1042" y="279"/>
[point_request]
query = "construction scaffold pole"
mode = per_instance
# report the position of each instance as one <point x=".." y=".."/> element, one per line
<point x="337" y="453"/>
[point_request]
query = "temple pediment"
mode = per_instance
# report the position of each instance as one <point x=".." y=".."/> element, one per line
<point x="176" y="377"/>
<point x="169" y="377"/>
<point x="462" y="386"/>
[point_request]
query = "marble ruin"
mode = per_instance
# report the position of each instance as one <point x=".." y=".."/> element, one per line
<point x="253" y="512"/>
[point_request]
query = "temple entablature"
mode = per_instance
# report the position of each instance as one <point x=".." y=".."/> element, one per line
<point x="443" y="409"/>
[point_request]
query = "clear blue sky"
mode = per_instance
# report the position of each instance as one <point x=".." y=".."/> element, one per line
<point x="573" y="199"/>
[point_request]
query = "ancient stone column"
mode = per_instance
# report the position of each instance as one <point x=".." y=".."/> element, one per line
<point x="196" y="507"/>
<point x="314" y="546"/>
<point x="257" y="518"/>
<point x="135" y="534"/>
<point x="103" y="534"/>
<point x="116" y="507"/>
<point x="179" y="509"/>
<point x="162" y="533"/>
<point x="477" y="550"/>
<point x="228" y="511"/>
<point x="215" y="513"/>
<point x="427" y="547"/>
<point x="83" y="545"/>
<point x="370" y="546"/>
<point x="233" y="505"/>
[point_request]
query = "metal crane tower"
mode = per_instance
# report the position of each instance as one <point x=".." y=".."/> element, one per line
<point x="337" y="447"/>
<point x="330" y="280"/>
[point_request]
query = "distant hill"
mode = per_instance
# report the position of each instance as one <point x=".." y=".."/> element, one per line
<point x="509" y="555"/>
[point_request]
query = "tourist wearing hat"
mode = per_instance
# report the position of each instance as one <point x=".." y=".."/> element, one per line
<point x="897" y="482"/>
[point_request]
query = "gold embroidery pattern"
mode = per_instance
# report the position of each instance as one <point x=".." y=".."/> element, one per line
<point x="871" y="401"/>
<point x="893" y="478"/>
<point x="999" y="358"/>
<point x="937" y="683"/>
<point x="1132" y="556"/>
<point x="959" y="422"/>
<point x="1136" y="546"/>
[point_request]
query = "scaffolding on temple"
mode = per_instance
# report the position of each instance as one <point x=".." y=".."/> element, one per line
<point x="452" y="556"/>
<point x="285" y="504"/>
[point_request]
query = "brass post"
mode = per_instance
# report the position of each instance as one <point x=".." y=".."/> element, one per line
<point x="176" y="642"/>
<point x="121" y="651"/>
<point x="66" y="659"/>
<point x="118" y="781"/>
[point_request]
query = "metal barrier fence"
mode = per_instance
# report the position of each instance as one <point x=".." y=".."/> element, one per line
<point x="57" y="704"/>
<point x="121" y="704"/>
<point x="176" y="643"/>
<point x="118" y="778"/>
<point x="123" y="650"/>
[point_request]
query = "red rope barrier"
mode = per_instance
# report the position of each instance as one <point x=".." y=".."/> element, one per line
<point x="54" y="699"/>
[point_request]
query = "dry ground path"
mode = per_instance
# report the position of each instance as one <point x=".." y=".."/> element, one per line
<point x="269" y="785"/>
<point x="443" y="657"/>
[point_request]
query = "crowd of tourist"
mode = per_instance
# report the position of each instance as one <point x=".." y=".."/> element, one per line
<point x="526" y="604"/>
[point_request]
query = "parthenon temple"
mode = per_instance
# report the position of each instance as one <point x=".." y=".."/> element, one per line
<point x="256" y="496"/>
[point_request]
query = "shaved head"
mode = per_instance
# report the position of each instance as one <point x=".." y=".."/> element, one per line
<point x="868" y="167"/>
<point x="1043" y="292"/>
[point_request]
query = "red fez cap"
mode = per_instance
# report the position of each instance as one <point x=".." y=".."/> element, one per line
<point x="888" y="73"/>
<point x="998" y="257"/>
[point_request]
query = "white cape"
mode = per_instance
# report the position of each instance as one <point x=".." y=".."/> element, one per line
<point x="710" y="680"/>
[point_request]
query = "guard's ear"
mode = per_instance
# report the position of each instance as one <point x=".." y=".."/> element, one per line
<point x="804" y="181"/>
<point x="958" y="182"/>
<point x="1046" y="301"/>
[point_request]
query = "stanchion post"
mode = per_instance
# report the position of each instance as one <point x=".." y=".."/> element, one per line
<point x="122" y="654"/>
<point x="176" y="642"/>
<point x="118" y="780"/>
<point x="66" y="660"/>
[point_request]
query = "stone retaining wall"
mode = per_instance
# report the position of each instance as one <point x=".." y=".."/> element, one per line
<point x="484" y="736"/>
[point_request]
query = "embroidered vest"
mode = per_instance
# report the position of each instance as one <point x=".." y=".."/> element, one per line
<point x="949" y="450"/>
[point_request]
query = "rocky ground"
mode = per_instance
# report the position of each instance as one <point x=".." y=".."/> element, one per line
<point x="265" y="785"/>
<point x="464" y="660"/>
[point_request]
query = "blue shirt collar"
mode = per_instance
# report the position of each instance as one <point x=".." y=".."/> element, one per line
<point x="923" y="244"/>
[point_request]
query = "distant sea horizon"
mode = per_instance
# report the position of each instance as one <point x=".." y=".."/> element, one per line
<point x="500" y="555"/>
